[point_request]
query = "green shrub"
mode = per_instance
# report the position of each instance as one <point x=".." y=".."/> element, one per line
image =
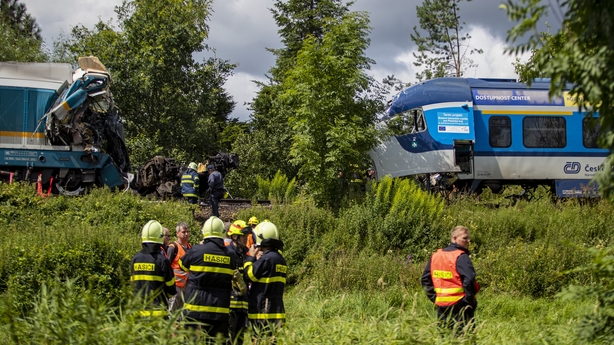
<point x="90" y="239"/>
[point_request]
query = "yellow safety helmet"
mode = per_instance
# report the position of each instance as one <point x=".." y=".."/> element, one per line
<point x="266" y="234"/>
<point x="152" y="232"/>
<point x="193" y="166"/>
<point x="253" y="221"/>
<point x="236" y="227"/>
<point x="213" y="227"/>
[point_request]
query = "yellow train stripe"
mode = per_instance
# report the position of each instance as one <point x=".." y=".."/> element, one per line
<point x="22" y="134"/>
<point x="527" y="112"/>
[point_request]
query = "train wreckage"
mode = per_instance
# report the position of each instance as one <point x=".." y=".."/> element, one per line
<point x="61" y="129"/>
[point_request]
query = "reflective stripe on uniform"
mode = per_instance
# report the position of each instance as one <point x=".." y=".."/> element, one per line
<point x="238" y="304"/>
<point x="211" y="269"/>
<point x="170" y="282"/>
<point x="266" y="316"/>
<point x="206" y="309"/>
<point x="449" y="290"/>
<point x="448" y="298"/>
<point x="250" y="274"/>
<point x="147" y="277"/>
<point x="153" y="312"/>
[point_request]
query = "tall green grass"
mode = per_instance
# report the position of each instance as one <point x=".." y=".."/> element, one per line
<point x="353" y="273"/>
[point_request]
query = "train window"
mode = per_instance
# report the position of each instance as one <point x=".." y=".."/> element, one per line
<point x="408" y="122"/>
<point x="500" y="131"/>
<point x="544" y="131"/>
<point x="590" y="132"/>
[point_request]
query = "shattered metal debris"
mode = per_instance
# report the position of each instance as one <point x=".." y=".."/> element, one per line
<point x="85" y="114"/>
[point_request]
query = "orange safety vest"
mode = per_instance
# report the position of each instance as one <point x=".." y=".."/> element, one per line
<point x="181" y="276"/>
<point x="446" y="280"/>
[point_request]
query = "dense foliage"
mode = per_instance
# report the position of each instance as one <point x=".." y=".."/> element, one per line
<point x="64" y="261"/>
<point x="20" y="35"/>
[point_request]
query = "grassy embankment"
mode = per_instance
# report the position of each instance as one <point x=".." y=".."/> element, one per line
<point x="354" y="276"/>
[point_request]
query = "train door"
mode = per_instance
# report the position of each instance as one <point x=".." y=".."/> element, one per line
<point x="463" y="158"/>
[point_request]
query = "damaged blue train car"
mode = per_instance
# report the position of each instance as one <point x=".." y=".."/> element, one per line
<point x="60" y="128"/>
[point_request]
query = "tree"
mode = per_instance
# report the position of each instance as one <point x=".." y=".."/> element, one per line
<point x="445" y="49"/>
<point x="271" y="131"/>
<point x="172" y="105"/>
<point x="332" y="104"/>
<point x="581" y="54"/>
<point x="20" y="38"/>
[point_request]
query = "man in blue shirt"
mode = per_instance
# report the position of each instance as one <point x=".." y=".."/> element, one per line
<point x="216" y="189"/>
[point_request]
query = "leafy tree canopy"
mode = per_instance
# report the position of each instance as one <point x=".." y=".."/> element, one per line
<point x="444" y="49"/>
<point x="20" y="35"/>
<point x="581" y="54"/>
<point x="333" y="105"/>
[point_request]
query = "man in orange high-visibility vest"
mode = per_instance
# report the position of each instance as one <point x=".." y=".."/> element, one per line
<point x="449" y="281"/>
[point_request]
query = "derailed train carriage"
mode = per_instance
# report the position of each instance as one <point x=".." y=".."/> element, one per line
<point x="59" y="128"/>
<point x="490" y="133"/>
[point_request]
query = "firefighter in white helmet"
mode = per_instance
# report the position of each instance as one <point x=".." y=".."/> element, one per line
<point x="266" y="269"/>
<point x="213" y="268"/>
<point x="151" y="272"/>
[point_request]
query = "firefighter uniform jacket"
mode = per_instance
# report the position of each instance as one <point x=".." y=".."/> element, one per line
<point x="190" y="184"/>
<point x="238" y="303"/>
<point x="211" y="266"/>
<point x="449" y="277"/>
<point x="153" y="278"/>
<point x="268" y="278"/>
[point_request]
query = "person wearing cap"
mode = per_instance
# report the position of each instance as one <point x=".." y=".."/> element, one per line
<point x="151" y="272"/>
<point x="266" y="270"/>
<point x="190" y="183"/>
<point x="238" y="234"/>
<point x="213" y="271"/>
<point x="215" y="188"/>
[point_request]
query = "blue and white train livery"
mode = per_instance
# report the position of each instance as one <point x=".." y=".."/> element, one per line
<point x="490" y="133"/>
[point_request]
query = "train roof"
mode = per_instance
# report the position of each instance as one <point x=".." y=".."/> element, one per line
<point x="35" y="75"/>
<point x="453" y="90"/>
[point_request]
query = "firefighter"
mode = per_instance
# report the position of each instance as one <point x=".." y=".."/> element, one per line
<point x="252" y="222"/>
<point x="176" y="251"/>
<point x="238" y="234"/>
<point x="213" y="268"/>
<point x="151" y="271"/>
<point x="190" y="183"/>
<point x="449" y="281"/>
<point x="266" y="270"/>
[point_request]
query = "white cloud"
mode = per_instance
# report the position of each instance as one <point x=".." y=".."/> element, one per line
<point x="243" y="89"/>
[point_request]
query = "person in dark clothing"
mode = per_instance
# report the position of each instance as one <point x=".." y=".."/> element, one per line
<point x="216" y="189"/>
<point x="266" y="269"/>
<point x="213" y="268"/>
<point x="449" y="281"/>
<point x="151" y="272"/>
<point x="238" y="300"/>
<point x="190" y="184"/>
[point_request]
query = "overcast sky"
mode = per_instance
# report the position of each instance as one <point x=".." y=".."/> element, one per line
<point x="240" y="30"/>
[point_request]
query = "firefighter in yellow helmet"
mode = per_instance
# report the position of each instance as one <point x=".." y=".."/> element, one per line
<point x="213" y="268"/>
<point x="238" y="234"/>
<point x="151" y="271"/>
<point x="266" y="270"/>
<point x="252" y="222"/>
